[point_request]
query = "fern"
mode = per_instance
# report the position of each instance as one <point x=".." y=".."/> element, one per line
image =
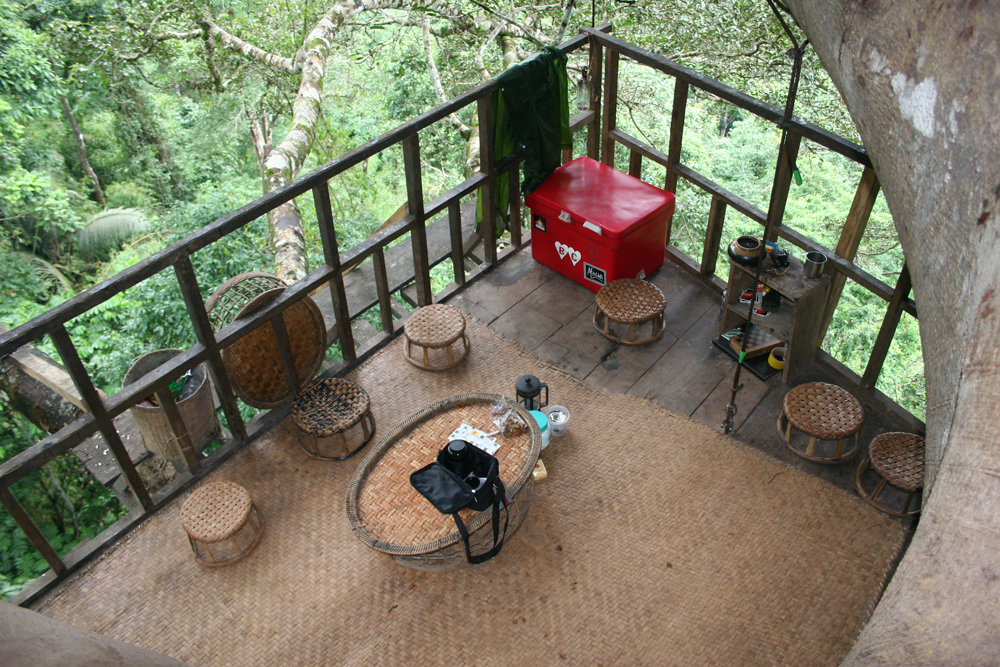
<point x="109" y="228"/>
<point x="46" y="271"/>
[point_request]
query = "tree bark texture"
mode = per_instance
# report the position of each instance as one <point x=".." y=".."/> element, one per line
<point x="81" y="150"/>
<point x="922" y="82"/>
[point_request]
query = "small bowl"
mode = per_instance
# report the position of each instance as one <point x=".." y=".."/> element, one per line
<point x="748" y="246"/>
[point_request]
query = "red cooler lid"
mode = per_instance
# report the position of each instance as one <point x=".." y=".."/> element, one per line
<point x="594" y="192"/>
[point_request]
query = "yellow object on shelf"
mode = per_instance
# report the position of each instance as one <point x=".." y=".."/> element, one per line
<point x="776" y="359"/>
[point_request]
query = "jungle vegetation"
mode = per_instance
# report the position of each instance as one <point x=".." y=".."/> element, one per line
<point x="125" y="126"/>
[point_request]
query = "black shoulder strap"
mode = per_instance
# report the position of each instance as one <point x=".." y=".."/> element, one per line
<point x="499" y="500"/>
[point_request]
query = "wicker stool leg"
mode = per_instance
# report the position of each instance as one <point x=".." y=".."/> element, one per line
<point x="631" y="332"/>
<point x="451" y="355"/>
<point x="811" y="447"/>
<point x="427" y="358"/>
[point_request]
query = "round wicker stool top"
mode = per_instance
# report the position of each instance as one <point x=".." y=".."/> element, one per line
<point x="899" y="459"/>
<point x="215" y="511"/>
<point x="436" y="325"/>
<point x="630" y="300"/>
<point x="330" y="406"/>
<point x="384" y="509"/>
<point x="824" y="410"/>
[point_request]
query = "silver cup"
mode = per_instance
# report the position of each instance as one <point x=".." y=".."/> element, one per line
<point x="813" y="267"/>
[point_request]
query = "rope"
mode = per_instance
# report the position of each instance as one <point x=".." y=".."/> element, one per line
<point x="796" y="52"/>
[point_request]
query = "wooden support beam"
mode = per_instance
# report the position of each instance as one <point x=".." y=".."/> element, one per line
<point x="418" y="231"/>
<point x="457" y="255"/>
<point x="331" y="255"/>
<point x="178" y="429"/>
<point x="26" y="524"/>
<point x="188" y="281"/>
<point x="487" y="165"/>
<point x="285" y="352"/>
<point x="850" y="238"/>
<point x="514" y="204"/>
<point x="676" y="135"/>
<point x="713" y="236"/>
<point x="382" y="286"/>
<point x="787" y="154"/>
<point x="888" y="330"/>
<point x="594" y="74"/>
<point x="610" y="109"/>
<point x="77" y="371"/>
<point x="635" y="163"/>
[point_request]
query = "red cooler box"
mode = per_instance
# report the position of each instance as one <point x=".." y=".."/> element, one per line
<point x="594" y="224"/>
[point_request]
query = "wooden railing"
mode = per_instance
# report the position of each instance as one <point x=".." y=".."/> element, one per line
<point x="840" y="259"/>
<point x="602" y="135"/>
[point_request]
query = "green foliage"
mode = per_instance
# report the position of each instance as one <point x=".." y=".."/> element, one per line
<point x="109" y="228"/>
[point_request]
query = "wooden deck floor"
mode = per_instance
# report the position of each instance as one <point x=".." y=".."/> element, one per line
<point x="683" y="371"/>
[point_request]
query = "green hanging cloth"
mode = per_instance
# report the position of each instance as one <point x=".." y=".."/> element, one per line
<point x="530" y="110"/>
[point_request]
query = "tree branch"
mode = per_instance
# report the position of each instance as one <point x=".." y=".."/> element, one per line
<point x="248" y="50"/>
<point x="462" y="128"/>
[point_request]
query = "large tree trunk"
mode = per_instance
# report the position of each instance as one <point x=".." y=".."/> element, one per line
<point x="923" y="86"/>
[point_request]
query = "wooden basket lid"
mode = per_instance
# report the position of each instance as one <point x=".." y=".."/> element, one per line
<point x="254" y="361"/>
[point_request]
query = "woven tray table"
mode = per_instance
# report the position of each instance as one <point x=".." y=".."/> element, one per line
<point x="823" y="412"/>
<point x="633" y="302"/>
<point x="326" y="413"/>
<point x="435" y="329"/>
<point x="389" y="515"/>
<point x="898" y="460"/>
<point x="217" y="518"/>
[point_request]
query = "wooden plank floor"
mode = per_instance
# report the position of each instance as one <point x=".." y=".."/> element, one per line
<point x="683" y="371"/>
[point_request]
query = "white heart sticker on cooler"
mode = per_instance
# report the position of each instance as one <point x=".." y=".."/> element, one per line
<point x="563" y="250"/>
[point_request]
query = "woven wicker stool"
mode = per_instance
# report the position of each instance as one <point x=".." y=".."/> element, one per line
<point x="898" y="460"/>
<point x="217" y="518"/>
<point x="324" y="415"/>
<point x="823" y="412"/>
<point x="435" y="328"/>
<point x="633" y="302"/>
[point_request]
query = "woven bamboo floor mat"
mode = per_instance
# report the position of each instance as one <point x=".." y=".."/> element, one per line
<point x="654" y="541"/>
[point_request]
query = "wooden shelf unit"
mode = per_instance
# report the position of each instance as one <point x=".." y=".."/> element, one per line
<point x="796" y="322"/>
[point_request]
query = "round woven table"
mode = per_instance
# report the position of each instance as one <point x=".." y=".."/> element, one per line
<point x="435" y="329"/>
<point x="898" y="460"/>
<point x="327" y="413"/>
<point x="823" y="412"/>
<point x="217" y="518"/>
<point x="633" y="302"/>
<point x="389" y="515"/>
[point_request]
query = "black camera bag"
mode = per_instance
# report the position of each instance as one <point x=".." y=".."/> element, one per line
<point x="450" y="493"/>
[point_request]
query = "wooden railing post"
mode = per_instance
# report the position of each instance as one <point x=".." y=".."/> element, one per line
<point x="455" y="229"/>
<point x="34" y="535"/>
<point x="677" y="117"/>
<point x="382" y="288"/>
<point x="787" y="155"/>
<point x="415" y="207"/>
<point x="188" y="281"/>
<point x="635" y="163"/>
<point x="285" y="352"/>
<point x="850" y="239"/>
<point x="488" y="167"/>
<point x="178" y="429"/>
<point x="888" y="330"/>
<point x="77" y="371"/>
<point x="331" y="255"/>
<point x="594" y="73"/>
<point x="713" y="236"/>
<point x="610" y="109"/>
<point x="514" y="203"/>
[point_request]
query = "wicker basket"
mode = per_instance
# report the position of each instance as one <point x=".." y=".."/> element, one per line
<point x="387" y="514"/>
<point x="195" y="405"/>
<point x="231" y="296"/>
<point x="253" y="362"/>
